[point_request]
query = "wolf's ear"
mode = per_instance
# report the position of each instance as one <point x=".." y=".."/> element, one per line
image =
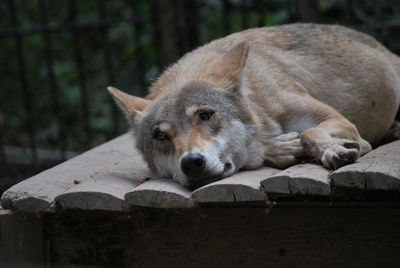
<point x="130" y="105"/>
<point x="231" y="66"/>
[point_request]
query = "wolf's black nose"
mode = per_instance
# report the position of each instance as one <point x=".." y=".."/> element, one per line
<point x="193" y="164"/>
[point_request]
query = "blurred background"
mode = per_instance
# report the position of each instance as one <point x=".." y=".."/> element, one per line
<point x="57" y="57"/>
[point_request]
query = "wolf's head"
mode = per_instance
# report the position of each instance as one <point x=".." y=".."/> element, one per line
<point x="200" y="132"/>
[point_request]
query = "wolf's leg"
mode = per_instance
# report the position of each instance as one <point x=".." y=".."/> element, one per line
<point x="335" y="142"/>
<point x="393" y="133"/>
<point x="283" y="151"/>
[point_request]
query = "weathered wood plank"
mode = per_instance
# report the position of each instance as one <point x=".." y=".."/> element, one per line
<point x="241" y="187"/>
<point x="104" y="177"/>
<point x="377" y="170"/>
<point x="106" y="190"/>
<point x="38" y="193"/>
<point x="159" y="193"/>
<point x="305" y="179"/>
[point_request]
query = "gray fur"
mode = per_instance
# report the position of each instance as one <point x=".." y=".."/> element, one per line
<point x="278" y="93"/>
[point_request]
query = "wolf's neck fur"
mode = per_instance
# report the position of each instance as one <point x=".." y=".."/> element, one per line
<point x="256" y="86"/>
<point x="283" y="60"/>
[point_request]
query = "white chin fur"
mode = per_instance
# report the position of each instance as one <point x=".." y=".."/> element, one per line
<point x="168" y="167"/>
<point x="252" y="155"/>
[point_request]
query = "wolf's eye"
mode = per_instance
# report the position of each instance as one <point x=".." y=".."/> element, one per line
<point x="158" y="135"/>
<point x="206" y="115"/>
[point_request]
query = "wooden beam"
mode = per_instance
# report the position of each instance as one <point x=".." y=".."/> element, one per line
<point x="228" y="237"/>
<point x="21" y="240"/>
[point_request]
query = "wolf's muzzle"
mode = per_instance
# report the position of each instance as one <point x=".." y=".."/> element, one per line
<point x="193" y="164"/>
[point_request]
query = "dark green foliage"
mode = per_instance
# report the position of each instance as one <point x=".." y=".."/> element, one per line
<point x="130" y="56"/>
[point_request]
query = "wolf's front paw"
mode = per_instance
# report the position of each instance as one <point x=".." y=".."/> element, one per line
<point x="343" y="153"/>
<point x="282" y="161"/>
<point x="283" y="151"/>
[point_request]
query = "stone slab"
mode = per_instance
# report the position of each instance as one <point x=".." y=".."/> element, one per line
<point x="377" y="170"/>
<point x="241" y="187"/>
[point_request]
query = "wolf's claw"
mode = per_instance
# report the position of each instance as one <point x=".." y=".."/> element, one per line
<point x="339" y="155"/>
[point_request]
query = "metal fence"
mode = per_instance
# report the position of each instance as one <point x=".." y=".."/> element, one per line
<point x="155" y="33"/>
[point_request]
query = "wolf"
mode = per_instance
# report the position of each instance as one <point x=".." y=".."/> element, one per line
<point x="266" y="96"/>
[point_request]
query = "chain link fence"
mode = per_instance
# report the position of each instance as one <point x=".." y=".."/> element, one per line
<point x="59" y="56"/>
